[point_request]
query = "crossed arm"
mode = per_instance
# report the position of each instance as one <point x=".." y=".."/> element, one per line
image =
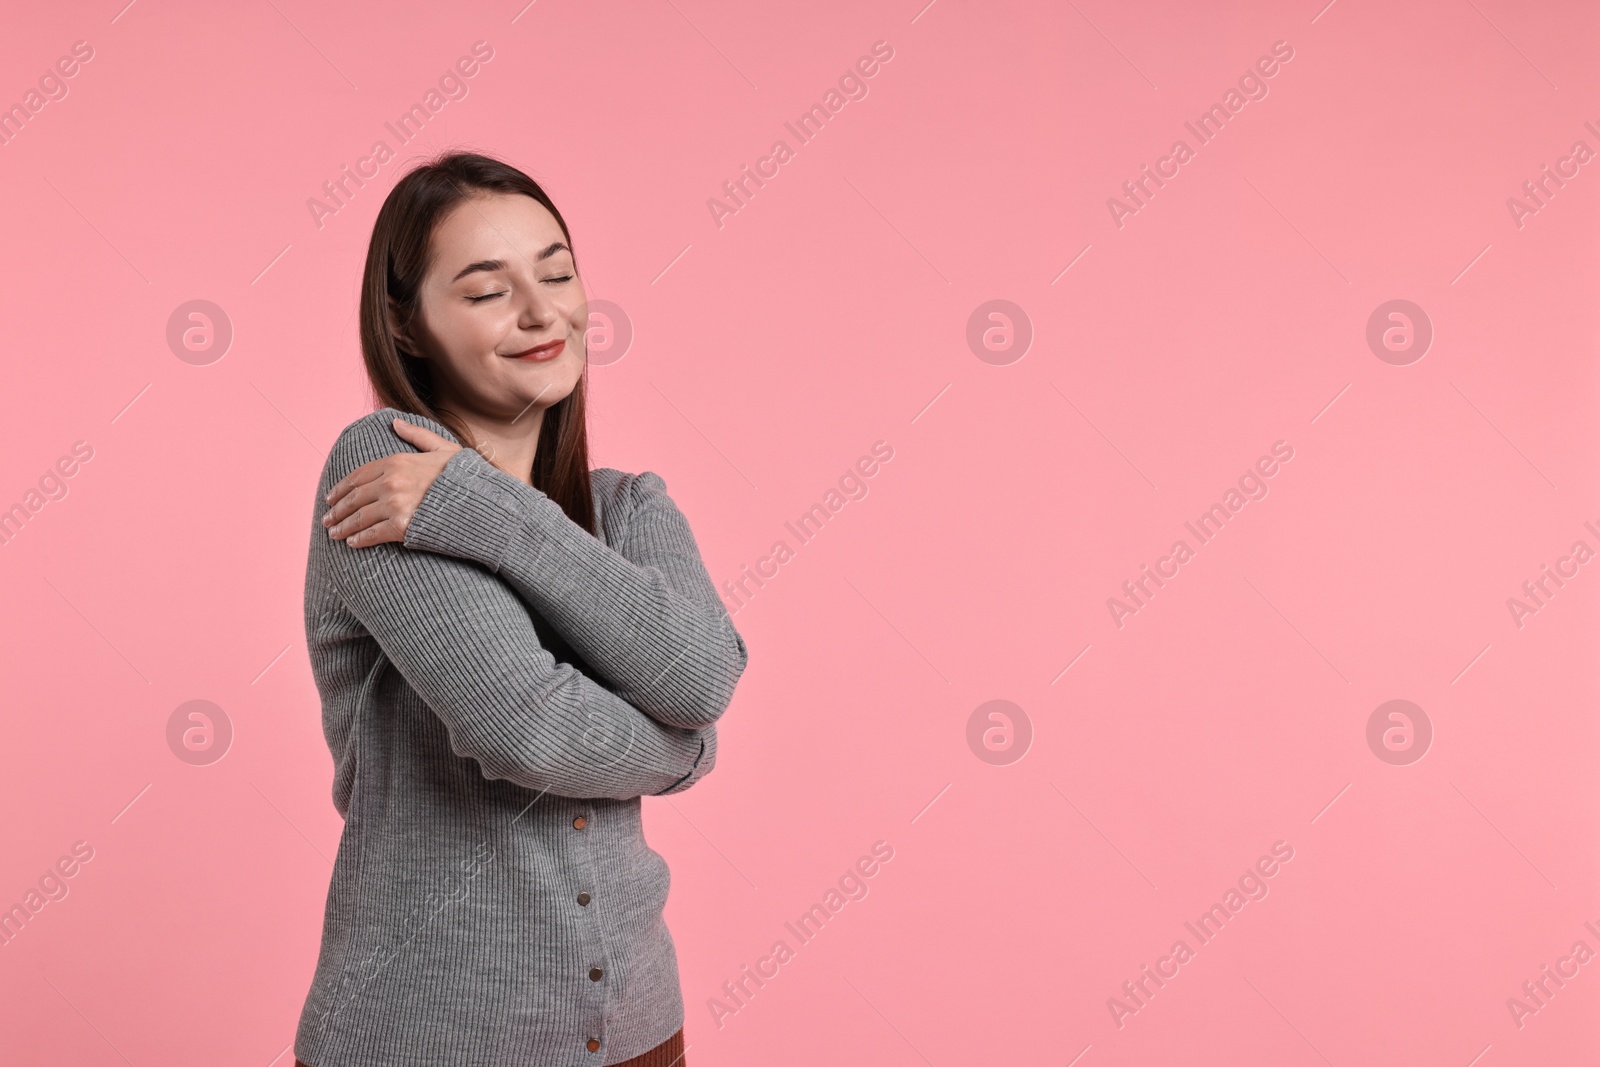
<point x="463" y="639"/>
<point x="646" y="617"/>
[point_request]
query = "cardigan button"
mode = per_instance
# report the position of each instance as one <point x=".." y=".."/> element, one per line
<point x="583" y="900"/>
<point x="593" y="1045"/>
<point x="595" y="974"/>
<point x="579" y="823"/>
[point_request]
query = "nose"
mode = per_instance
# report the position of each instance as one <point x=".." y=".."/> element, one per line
<point x="538" y="309"/>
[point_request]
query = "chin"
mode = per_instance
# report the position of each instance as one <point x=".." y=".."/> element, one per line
<point x="553" y="392"/>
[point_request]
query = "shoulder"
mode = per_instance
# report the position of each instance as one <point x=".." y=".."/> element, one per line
<point x="629" y="500"/>
<point x="622" y="489"/>
<point x="613" y="496"/>
<point x="609" y="483"/>
<point x="377" y="426"/>
<point x="372" y="437"/>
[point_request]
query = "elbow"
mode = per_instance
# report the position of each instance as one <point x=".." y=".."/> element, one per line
<point x="695" y="712"/>
<point x="532" y="759"/>
<point x="701" y="715"/>
<point x="703" y="765"/>
<point x="501" y="758"/>
<point x="714" y="696"/>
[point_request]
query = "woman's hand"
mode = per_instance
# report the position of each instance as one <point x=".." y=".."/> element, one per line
<point x="374" y="503"/>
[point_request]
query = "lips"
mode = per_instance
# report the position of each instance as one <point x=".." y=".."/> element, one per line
<point x="540" y="353"/>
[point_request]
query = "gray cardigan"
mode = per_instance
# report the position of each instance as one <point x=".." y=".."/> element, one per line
<point x="497" y="693"/>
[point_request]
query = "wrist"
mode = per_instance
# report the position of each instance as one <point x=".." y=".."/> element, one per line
<point x="463" y="512"/>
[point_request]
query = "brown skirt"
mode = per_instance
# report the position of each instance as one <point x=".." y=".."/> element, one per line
<point x="667" y="1054"/>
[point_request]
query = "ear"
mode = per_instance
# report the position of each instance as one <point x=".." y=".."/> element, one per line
<point x="402" y="340"/>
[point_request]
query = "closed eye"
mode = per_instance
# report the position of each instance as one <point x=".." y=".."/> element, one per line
<point x="491" y="296"/>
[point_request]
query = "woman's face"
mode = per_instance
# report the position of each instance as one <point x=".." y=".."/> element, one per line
<point x="503" y="314"/>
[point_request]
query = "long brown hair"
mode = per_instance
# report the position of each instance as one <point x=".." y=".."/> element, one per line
<point x="397" y="259"/>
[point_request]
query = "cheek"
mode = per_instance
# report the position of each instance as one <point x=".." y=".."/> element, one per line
<point x="465" y="336"/>
<point x="577" y="312"/>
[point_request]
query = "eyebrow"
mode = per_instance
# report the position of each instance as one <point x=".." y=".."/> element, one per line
<point x="500" y="264"/>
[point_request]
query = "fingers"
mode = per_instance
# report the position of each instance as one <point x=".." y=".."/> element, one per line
<point x="350" y="517"/>
<point x="379" y="532"/>
<point x="360" y="476"/>
<point x="420" y="436"/>
<point x="351" y="499"/>
<point x="366" y="525"/>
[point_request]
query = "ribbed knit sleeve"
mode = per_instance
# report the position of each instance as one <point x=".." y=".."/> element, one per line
<point x="462" y="638"/>
<point x="645" y="616"/>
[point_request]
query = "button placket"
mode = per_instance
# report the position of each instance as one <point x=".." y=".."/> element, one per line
<point x="580" y="823"/>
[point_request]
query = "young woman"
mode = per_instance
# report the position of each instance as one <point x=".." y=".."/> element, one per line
<point x="511" y="650"/>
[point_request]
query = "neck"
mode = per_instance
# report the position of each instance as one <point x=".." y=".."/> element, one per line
<point x="509" y="443"/>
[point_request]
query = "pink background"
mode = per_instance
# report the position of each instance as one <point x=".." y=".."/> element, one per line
<point x="770" y="354"/>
